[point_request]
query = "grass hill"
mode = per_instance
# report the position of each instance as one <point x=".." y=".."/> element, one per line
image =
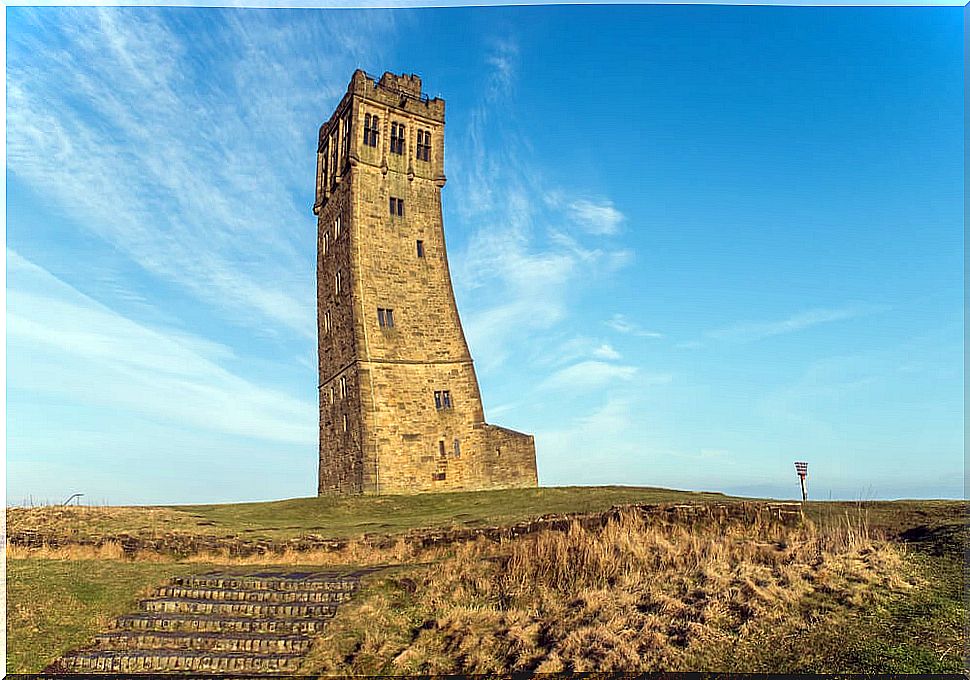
<point x="344" y="516"/>
<point x="874" y="586"/>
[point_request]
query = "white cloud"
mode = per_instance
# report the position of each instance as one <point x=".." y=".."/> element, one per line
<point x="64" y="343"/>
<point x="521" y="265"/>
<point x="599" y="218"/>
<point x="198" y="177"/>
<point x="621" y="324"/>
<point x="598" y="374"/>
<point x="606" y="351"/>
<point x="749" y="331"/>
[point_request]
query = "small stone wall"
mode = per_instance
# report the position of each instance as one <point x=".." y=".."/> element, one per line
<point x="180" y="545"/>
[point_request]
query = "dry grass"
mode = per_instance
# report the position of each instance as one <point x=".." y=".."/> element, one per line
<point x="96" y="519"/>
<point x="635" y="596"/>
<point x="357" y="552"/>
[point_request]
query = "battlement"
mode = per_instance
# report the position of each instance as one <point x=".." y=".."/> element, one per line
<point x="401" y="91"/>
<point x="408" y="84"/>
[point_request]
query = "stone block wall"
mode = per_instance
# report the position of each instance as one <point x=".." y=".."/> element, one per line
<point x="382" y="430"/>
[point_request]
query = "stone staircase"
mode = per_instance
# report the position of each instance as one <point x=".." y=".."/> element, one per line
<point x="258" y="623"/>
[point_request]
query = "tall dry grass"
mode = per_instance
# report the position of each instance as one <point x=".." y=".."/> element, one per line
<point x="356" y="552"/>
<point x="639" y="594"/>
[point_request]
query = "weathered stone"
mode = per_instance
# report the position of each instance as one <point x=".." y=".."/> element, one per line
<point x="256" y="623"/>
<point x="400" y="407"/>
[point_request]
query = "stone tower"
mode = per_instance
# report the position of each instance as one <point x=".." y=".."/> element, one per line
<point x="400" y="409"/>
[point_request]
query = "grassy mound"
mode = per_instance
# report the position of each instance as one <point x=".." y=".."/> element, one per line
<point x="339" y="517"/>
<point x="648" y="596"/>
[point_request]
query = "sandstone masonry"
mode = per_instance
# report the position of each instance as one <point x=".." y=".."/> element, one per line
<point x="400" y="408"/>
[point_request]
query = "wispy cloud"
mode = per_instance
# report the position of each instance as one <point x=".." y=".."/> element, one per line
<point x="596" y="218"/>
<point x="521" y="264"/>
<point x="199" y="177"/>
<point x="606" y="351"/>
<point x="67" y="344"/>
<point x="622" y="324"/>
<point x="588" y="374"/>
<point x="749" y="331"/>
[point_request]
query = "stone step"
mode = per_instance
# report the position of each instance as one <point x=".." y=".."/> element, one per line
<point x="194" y="640"/>
<point x="329" y="581"/>
<point x="218" y="624"/>
<point x="173" y="660"/>
<point x="174" y="605"/>
<point x="239" y="595"/>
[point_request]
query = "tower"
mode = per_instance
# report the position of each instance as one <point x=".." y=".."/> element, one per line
<point x="400" y="408"/>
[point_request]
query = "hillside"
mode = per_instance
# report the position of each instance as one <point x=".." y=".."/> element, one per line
<point x="876" y="585"/>
<point x="340" y="517"/>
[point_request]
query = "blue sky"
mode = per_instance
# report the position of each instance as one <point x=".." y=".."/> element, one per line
<point x="690" y="245"/>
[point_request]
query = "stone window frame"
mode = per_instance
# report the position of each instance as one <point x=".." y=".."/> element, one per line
<point x="385" y="318"/>
<point x="398" y="132"/>
<point x="372" y="129"/>
<point x="345" y="142"/>
<point x="343" y="387"/>
<point x="326" y="242"/>
<point x="336" y="227"/>
<point x="420" y="246"/>
<point x="327" y="323"/>
<point x="442" y="400"/>
<point x="396" y="206"/>
<point x="345" y="422"/>
<point x="437" y="476"/>
<point x="423" y="148"/>
<point x="337" y="283"/>
<point x="457" y="448"/>
<point x="333" y="158"/>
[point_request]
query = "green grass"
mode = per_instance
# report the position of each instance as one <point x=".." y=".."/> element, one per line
<point x="922" y="631"/>
<point x="54" y="606"/>
<point x="348" y="516"/>
<point x="57" y="605"/>
<point x="339" y="517"/>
